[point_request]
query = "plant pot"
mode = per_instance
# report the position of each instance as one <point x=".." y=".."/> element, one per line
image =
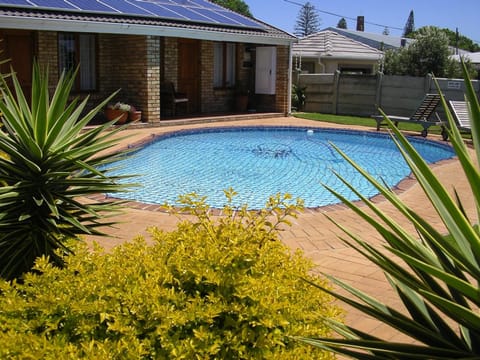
<point x="135" y="116"/>
<point x="241" y="103"/>
<point x="113" y="114"/>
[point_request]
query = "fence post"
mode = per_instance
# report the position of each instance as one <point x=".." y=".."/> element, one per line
<point x="378" y="91"/>
<point x="428" y="83"/>
<point x="336" y="82"/>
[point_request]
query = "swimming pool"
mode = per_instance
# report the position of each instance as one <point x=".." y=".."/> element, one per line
<point x="258" y="162"/>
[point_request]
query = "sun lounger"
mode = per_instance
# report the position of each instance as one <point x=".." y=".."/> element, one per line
<point x="421" y="115"/>
<point x="461" y="114"/>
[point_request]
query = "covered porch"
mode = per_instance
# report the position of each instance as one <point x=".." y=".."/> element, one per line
<point x="218" y="69"/>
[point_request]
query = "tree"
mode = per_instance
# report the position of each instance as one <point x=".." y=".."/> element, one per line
<point x="409" y="26"/>
<point x="342" y="24"/>
<point x="238" y="6"/>
<point x="308" y="21"/>
<point x="428" y="53"/>
<point x="456" y="39"/>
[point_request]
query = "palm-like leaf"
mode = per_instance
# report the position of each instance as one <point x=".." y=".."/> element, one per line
<point x="50" y="161"/>
<point x="438" y="281"/>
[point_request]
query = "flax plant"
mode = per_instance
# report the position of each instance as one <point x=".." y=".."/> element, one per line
<point x="49" y="162"/>
<point x="438" y="278"/>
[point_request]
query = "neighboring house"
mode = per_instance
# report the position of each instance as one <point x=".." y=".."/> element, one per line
<point x="328" y="51"/>
<point x="378" y="41"/>
<point x="474" y="58"/>
<point x="206" y="51"/>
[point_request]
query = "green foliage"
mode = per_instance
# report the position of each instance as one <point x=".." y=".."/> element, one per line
<point x="459" y="40"/>
<point x="308" y="21"/>
<point x="238" y="6"/>
<point x="342" y="23"/>
<point x="48" y="165"/>
<point x="214" y="288"/>
<point x="409" y="25"/>
<point x="438" y="275"/>
<point x="429" y="53"/>
<point x="298" y="97"/>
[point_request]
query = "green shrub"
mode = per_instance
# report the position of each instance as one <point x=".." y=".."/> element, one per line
<point x="211" y="289"/>
<point x="298" y="97"/>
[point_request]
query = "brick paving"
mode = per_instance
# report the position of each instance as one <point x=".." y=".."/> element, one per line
<point x="311" y="231"/>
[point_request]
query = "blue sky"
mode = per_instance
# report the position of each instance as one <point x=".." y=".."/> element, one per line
<point x="464" y="14"/>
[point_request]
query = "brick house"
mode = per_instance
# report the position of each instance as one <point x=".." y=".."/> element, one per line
<point x="207" y="60"/>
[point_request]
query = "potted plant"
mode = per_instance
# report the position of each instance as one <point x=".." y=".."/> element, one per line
<point x="241" y="97"/>
<point x="118" y="111"/>
<point x="134" y="115"/>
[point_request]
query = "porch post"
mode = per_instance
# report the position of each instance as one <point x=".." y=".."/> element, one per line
<point x="153" y="79"/>
<point x="289" y="79"/>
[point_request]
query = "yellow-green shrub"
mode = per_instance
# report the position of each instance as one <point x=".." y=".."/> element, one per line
<point x="225" y="289"/>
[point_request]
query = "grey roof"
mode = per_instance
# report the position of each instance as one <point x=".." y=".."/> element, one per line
<point x="331" y="44"/>
<point x="377" y="41"/>
<point x="83" y="21"/>
<point x="474" y="57"/>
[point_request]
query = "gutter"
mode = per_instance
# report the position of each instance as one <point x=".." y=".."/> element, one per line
<point x="351" y="57"/>
<point x="33" y="23"/>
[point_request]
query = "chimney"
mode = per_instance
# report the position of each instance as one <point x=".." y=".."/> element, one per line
<point x="360" y="23"/>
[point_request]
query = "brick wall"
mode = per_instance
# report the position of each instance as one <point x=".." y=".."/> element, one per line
<point x="134" y="64"/>
<point x="125" y="62"/>
<point x="281" y="99"/>
<point x="122" y="65"/>
<point x="47" y="55"/>
<point x="208" y="98"/>
<point x="151" y="102"/>
<point x="170" y="52"/>
<point x="223" y="100"/>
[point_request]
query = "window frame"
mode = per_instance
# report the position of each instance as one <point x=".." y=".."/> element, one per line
<point x="225" y="76"/>
<point x="77" y="88"/>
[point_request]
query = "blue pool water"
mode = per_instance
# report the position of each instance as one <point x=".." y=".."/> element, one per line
<point x="259" y="162"/>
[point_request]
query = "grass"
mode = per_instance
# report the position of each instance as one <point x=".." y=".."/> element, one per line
<point x="367" y="122"/>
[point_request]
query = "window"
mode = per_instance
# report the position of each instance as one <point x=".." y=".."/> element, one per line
<point x="223" y="65"/>
<point x="358" y="70"/>
<point x="75" y="49"/>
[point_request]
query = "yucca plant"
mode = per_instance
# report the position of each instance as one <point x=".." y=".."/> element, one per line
<point x="50" y="161"/>
<point x="437" y="279"/>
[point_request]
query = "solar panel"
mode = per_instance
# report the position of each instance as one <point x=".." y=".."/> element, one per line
<point x="206" y="4"/>
<point x="156" y="1"/>
<point x="125" y="7"/>
<point x="218" y="18"/>
<point x="240" y="19"/>
<point x="158" y="10"/>
<point x="186" y="13"/>
<point x="58" y="4"/>
<point x="16" y="2"/>
<point x="91" y="6"/>
<point x="196" y="11"/>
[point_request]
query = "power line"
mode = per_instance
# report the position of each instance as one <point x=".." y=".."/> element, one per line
<point x="345" y="17"/>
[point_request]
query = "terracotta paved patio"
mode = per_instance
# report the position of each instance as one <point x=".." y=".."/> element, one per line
<point x="312" y="231"/>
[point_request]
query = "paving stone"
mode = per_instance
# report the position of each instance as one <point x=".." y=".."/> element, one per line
<point x="312" y="231"/>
